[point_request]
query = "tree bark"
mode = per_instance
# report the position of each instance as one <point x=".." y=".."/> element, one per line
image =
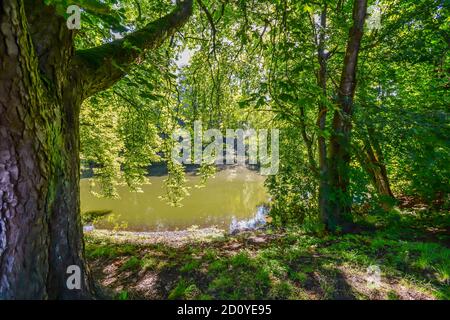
<point x="40" y="229"/>
<point x="372" y="160"/>
<point x="324" y="190"/>
<point x="40" y="97"/>
<point x="339" y="158"/>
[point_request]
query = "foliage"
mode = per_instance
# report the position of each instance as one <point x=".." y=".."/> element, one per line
<point x="208" y="72"/>
<point x="90" y="217"/>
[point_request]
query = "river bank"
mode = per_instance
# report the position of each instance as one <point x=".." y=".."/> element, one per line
<point x="401" y="258"/>
<point x="170" y="238"/>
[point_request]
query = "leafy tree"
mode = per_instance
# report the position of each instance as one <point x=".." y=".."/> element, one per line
<point x="363" y="112"/>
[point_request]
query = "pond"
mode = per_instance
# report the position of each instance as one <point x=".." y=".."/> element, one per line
<point x="233" y="193"/>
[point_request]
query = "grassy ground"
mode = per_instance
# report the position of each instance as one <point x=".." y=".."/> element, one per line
<point x="411" y="251"/>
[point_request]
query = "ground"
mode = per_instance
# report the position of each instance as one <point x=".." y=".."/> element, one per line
<point x="410" y="248"/>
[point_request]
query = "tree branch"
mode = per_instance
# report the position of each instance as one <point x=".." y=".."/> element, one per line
<point x="213" y="26"/>
<point x="92" y="6"/>
<point x="348" y="77"/>
<point x="100" y="67"/>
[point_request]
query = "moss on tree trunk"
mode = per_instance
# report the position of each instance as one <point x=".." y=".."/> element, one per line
<point x="42" y="86"/>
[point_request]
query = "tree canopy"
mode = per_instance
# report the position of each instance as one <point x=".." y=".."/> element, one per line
<point x="359" y="90"/>
<point x="258" y="64"/>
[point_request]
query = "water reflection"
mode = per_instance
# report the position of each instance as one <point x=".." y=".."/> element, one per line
<point x="232" y="193"/>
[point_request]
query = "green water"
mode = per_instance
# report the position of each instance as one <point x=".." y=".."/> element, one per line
<point x="232" y="193"/>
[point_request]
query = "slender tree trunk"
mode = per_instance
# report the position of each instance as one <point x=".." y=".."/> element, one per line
<point x="376" y="171"/>
<point x="309" y="142"/>
<point x="324" y="190"/>
<point x="382" y="176"/>
<point x="340" y="156"/>
<point x="371" y="159"/>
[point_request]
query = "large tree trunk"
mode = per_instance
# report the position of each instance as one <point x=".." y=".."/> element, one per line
<point x="66" y="245"/>
<point x="42" y="86"/>
<point x="340" y="156"/>
<point x="40" y="229"/>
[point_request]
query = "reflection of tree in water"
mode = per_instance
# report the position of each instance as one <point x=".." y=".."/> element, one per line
<point x="242" y="201"/>
<point x="248" y="192"/>
<point x="215" y="204"/>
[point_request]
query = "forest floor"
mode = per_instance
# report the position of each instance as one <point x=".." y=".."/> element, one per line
<point x="409" y="249"/>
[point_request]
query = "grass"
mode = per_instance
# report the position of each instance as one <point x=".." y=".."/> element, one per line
<point x="290" y="264"/>
<point x="132" y="263"/>
<point x="149" y="263"/>
<point x="184" y="290"/>
<point x="123" y="295"/>
<point x="100" y="249"/>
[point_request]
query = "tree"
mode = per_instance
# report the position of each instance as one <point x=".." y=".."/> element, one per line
<point x="340" y="147"/>
<point x="328" y="144"/>
<point x="304" y="54"/>
<point x="43" y="82"/>
<point x="310" y="56"/>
